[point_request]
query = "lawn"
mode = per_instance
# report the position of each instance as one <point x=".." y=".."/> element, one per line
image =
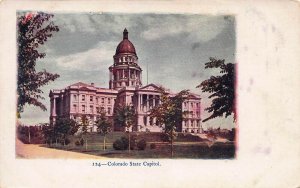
<point x="185" y="146"/>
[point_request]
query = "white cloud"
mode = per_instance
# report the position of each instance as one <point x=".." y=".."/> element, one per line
<point x="92" y="23"/>
<point x="198" y="28"/>
<point x="93" y="59"/>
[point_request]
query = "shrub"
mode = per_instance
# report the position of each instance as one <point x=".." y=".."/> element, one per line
<point x="125" y="141"/>
<point x="121" y="144"/>
<point x="141" y="145"/>
<point x="67" y="141"/>
<point x="164" y="138"/>
<point x="133" y="142"/>
<point x="77" y="143"/>
<point x="152" y="146"/>
<point x="81" y="141"/>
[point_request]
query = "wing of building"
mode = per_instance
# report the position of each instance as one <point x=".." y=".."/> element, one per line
<point x="125" y="88"/>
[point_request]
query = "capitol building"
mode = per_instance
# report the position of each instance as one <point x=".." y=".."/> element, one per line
<point x="125" y="88"/>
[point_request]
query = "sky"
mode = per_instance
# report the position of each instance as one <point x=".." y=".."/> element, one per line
<point x="174" y="46"/>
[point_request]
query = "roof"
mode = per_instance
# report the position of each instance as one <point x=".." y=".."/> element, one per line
<point x="125" y="46"/>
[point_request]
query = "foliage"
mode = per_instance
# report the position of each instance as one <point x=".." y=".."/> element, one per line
<point x="125" y="116"/>
<point x="141" y="145"/>
<point x="81" y="141"/>
<point x="31" y="134"/>
<point x="65" y="127"/>
<point x="152" y="146"/>
<point x="50" y="134"/>
<point x="103" y="124"/>
<point x="66" y="141"/>
<point x="121" y="144"/>
<point x="221" y="88"/>
<point x="33" y="31"/>
<point x="84" y="124"/>
<point x="78" y="143"/>
<point x="169" y="113"/>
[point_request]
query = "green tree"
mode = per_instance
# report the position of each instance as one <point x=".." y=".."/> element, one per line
<point x="64" y="127"/>
<point x="169" y="113"/>
<point x="50" y="133"/>
<point x="33" y="31"/>
<point x="125" y="116"/>
<point x="103" y="126"/>
<point x="222" y="89"/>
<point x="84" y="128"/>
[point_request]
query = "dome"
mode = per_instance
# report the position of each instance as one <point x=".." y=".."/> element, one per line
<point x="125" y="46"/>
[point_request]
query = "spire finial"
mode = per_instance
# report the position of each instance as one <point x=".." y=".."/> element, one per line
<point x="125" y="34"/>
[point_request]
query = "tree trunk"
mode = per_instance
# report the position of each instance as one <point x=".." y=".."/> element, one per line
<point x="86" y="144"/>
<point x="128" y="141"/>
<point x="29" y="140"/>
<point x="56" y="142"/>
<point x="172" y="146"/>
<point x="104" y="143"/>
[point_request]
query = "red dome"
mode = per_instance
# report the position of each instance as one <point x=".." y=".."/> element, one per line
<point x="125" y="46"/>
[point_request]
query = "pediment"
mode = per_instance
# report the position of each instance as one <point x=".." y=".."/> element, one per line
<point x="150" y="87"/>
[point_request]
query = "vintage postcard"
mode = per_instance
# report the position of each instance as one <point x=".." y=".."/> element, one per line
<point x="161" y="89"/>
<point x="116" y="87"/>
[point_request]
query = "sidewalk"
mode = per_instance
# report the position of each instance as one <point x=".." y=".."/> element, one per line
<point x="31" y="151"/>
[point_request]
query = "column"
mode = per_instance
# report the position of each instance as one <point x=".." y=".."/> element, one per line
<point x="54" y="107"/>
<point x="129" y="74"/>
<point x="153" y="101"/>
<point x="141" y="97"/>
<point x="61" y="105"/>
<point x="138" y="102"/>
<point x="147" y="102"/>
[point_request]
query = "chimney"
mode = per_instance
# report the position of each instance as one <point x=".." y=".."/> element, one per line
<point x="92" y="84"/>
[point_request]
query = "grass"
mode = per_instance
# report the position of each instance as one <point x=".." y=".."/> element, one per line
<point x="185" y="146"/>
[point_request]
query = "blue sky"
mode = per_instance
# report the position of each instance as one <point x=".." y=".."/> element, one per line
<point x="174" y="46"/>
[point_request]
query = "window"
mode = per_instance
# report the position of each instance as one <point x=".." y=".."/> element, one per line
<point x="145" y="120"/>
<point x="97" y="100"/>
<point x="83" y="108"/>
<point x="83" y="97"/>
<point x="197" y="104"/>
<point x="102" y="109"/>
<point x="75" y="108"/>
<point x="192" y="104"/>
<point x="108" y="110"/>
<point x="91" y="98"/>
<point x="75" y="97"/>
<point x="98" y="110"/>
<point x="102" y="100"/>
<point x="91" y="109"/>
<point x="108" y="101"/>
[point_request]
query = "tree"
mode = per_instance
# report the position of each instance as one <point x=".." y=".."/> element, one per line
<point x="84" y="128"/>
<point x="33" y="31"/>
<point x="103" y="126"/>
<point x="125" y="116"/>
<point x="221" y="88"/>
<point x="169" y="113"/>
<point x="65" y="127"/>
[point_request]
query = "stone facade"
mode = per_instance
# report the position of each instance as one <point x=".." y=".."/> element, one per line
<point x="125" y="87"/>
